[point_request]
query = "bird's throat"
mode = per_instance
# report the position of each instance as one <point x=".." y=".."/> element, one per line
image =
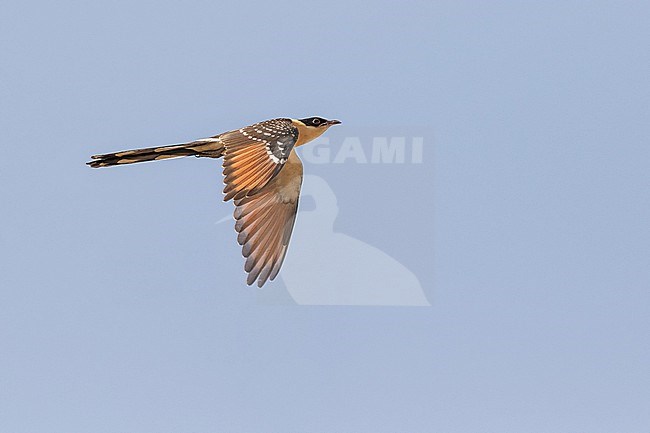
<point x="306" y="133"/>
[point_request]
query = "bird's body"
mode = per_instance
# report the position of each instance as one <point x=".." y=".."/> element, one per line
<point x="262" y="174"/>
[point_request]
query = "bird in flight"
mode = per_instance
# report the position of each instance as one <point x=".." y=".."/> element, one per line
<point x="262" y="175"/>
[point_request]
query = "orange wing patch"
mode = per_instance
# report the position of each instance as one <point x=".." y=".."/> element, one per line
<point x="264" y="223"/>
<point x="254" y="155"/>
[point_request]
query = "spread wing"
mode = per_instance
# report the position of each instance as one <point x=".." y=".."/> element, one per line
<point x="254" y="155"/>
<point x="265" y="221"/>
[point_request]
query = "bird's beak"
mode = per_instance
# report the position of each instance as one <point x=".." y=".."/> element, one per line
<point x="333" y="122"/>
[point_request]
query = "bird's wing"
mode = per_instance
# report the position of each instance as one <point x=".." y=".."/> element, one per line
<point x="265" y="221"/>
<point x="255" y="154"/>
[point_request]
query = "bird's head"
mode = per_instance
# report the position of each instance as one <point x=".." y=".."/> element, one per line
<point x="318" y="122"/>
<point x="312" y="127"/>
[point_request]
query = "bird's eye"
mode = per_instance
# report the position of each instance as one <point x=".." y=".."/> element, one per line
<point x="315" y="121"/>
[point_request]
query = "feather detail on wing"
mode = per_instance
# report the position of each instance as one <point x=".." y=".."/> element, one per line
<point x="264" y="222"/>
<point x="254" y="155"/>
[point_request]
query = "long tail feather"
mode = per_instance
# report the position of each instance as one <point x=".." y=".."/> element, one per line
<point x="209" y="147"/>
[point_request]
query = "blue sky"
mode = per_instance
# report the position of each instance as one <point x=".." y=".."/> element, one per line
<point x="122" y="303"/>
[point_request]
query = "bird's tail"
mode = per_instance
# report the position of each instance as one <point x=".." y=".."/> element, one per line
<point x="209" y="147"/>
